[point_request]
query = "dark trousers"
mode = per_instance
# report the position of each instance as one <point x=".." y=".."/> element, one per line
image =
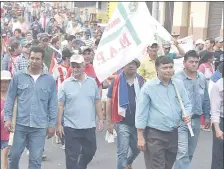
<point x="80" y="147"/>
<point x="217" y="149"/>
<point x="161" y="148"/>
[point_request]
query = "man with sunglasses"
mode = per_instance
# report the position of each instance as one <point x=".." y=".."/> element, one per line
<point x="147" y="69"/>
<point x="79" y="102"/>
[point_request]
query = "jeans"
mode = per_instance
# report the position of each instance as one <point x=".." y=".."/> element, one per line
<point x="80" y="147"/>
<point x="187" y="144"/>
<point x="217" y="148"/>
<point x="35" y="139"/>
<point x="127" y="150"/>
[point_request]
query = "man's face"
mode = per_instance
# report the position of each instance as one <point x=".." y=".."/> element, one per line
<point x="17" y="34"/>
<point x="86" y="24"/>
<point x="4" y="85"/>
<point x="77" y="69"/>
<point x="74" y="23"/>
<point x="36" y="60"/>
<point x="208" y="45"/>
<point x="153" y="50"/>
<point x="130" y="68"/>
<point x="165" y="71"/>
<point x="191" y="64"/>
<point x="45" y="42"/>
<point x="87" y="36"/>
<point x="18" y="50"/>
<point x="29" y="37"/>
<point x="166" y="50"/>
<point x="219" y="44"/>
<point x="26" y="49"/>
<point x="91" y="25"/>
<point x="95" y="35"/>
<point x="200" y="46"/>
<point x="87" y="57"/>
<point x="57" y="45"/>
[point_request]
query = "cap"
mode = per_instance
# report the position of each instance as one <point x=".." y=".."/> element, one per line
<point x="219" y="39"/>
<point x="137" y="62"/>
<point x="153" y="43"/>
<point x="76" y="58"/>
<point x="199" y="41"/>
<point x="25" y="43"/>
<point x="42" y="36"/>
<point x="66" y="52"/>
<point x="6" y="75"/>
<point x="78" y="42"/>
<point x="166" y="44"/>
<point x="85" y="48"/>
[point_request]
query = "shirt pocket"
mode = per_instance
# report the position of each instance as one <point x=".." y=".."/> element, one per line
<point x="44" y="94"/>
<point x="201" y="88"/>
<point x="23" y="91"/>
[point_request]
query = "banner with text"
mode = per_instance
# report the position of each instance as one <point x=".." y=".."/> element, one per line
<point x="126" y="37"/>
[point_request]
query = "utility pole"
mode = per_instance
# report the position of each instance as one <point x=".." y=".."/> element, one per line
<point x="155" y="10"/>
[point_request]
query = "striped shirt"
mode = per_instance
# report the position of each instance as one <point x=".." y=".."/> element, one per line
<point x="216" y="99"/>
<point x="60" y="74"/>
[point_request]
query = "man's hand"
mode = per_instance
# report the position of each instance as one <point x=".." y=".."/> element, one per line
<point x="110" y="127"/>
<point x="207" y="124"/>
<point x="60" y="130"/>
<point x="8" y="126"/>
<point x="141" y="143"/>
<point x="187" y="119"/>
<point x="100" y="125"/>
<point x="219" y="134"/>
<point x="50" y="132"/>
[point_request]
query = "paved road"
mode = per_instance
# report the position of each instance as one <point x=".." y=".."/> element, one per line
<point x="105" y="156"/>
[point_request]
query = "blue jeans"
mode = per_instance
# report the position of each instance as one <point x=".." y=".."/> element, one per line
<point x="186" y="144"/>
<point x="127" y="150"/>
<point x="35" y="138"/>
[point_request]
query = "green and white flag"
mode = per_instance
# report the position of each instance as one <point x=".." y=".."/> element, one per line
<point x="126" y="37"/>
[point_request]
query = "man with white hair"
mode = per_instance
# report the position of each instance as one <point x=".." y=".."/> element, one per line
<point x="79" y="101"/>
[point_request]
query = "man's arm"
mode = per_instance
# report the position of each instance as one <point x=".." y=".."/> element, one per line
<point x="142" y="109"/>
<point x="53" y="106"/>
<point x="98" y="103"/>
<point x="206" y="103"/>
<point x="109" y="110"/>
<point x="11" y="96"/>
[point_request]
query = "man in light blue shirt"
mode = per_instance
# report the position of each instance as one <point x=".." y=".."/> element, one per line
<point x="159" y="114"/>
<point x="79" y="101"/>
<point x="36" y="96"/>
<point x="197" y="88"/>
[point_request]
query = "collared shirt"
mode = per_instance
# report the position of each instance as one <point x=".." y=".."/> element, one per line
<point x="79" y="102"/>
<point x="217" y="101"/>
<point x="158" y="106"/>
<point x="147" y="69"/>
<point x="21" y="63"/>
<point x="37" y="101"/>
<point x="197" y="92"/>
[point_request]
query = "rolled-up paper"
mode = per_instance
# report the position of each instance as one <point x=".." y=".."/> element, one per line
<point x="183" y="109"/>
<point x="14" y="114"/>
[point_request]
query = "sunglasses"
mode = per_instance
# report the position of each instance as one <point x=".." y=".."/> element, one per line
<point x="45" y="40"/>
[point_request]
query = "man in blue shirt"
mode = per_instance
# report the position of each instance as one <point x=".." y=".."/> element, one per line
<point x="159" y="114"/>
<point x="79" y="101"/>
<point x="36" y="96"/>
<point x="197" y="89"/>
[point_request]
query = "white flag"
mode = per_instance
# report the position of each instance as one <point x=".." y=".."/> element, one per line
<point x="126" y="37"/>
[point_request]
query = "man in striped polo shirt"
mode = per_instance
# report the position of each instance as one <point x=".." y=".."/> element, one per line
<point x="87" y="39"/>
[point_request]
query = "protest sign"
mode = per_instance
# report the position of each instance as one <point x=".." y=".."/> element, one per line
<point x="126" y="37"/>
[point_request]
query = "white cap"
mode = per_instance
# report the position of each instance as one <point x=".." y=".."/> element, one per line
<point x="199" y="41"/>
<point x="152" y="43"/>
<point x="77" y="58"/>
<point x="6" y="75"/>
